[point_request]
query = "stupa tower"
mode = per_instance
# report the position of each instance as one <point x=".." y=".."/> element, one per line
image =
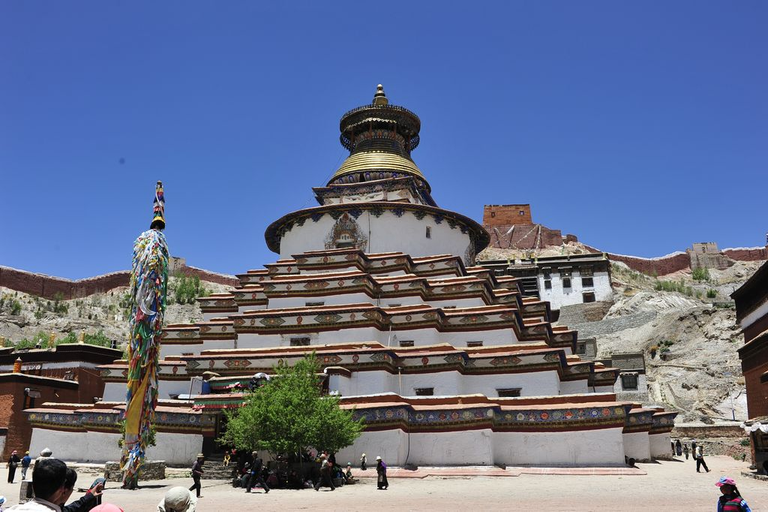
<point x="378" y="200"/>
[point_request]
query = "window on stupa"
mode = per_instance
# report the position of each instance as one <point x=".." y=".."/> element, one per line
<point x="629" y="381"/>
<point x="312" y="304"/>
<point x="424" y="391"/>
<point x="406" y="343"/>
<point x="429" y="232"/>
<point x="509" y="392"/>
<point x="588" y="297"/>
<point x="300" y="342"/>
<point x="474" y="344"/>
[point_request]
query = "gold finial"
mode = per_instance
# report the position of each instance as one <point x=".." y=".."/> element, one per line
<point x="380" y="98"/>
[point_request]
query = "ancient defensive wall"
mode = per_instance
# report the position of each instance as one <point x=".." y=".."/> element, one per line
<point x="49" y="287"/>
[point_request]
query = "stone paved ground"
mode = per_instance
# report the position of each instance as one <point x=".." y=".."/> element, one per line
<point x="669" y="485"/>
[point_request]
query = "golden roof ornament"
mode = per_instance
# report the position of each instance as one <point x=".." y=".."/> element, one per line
<point x="380" y="98"/>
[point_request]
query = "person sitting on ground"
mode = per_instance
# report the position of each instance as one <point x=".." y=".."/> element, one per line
<point x="87" y="502"/>
<point x="49" y="483"/>
<point x="348" y="475"/>
<point x="177" y="499"/>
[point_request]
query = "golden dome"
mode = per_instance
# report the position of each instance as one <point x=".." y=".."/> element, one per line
<point x="377" y="161"/>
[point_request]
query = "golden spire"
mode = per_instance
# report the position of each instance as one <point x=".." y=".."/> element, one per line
<point x="380" y="98"/>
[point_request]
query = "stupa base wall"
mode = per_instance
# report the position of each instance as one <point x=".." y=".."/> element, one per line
<point x="660" y="447"/>
<point x="637" y="445"/>
<point x="603" y="447"/>
<point x="100" y="447"/>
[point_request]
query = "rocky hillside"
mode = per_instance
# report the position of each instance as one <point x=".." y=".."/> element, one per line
<point x="26" y="317"/>
<point x="687" y="330"/>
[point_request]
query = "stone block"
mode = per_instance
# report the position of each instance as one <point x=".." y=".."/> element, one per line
<point x="150" y="470"/>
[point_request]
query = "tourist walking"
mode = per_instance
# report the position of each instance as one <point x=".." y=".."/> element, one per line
<point x="25" y="462"/>
<point x="679" y="448"/>
<point x="13" y="463"/>
<point x="363" y="463"/>
<point x="699" y="456"/>
<point x="381" y="472"/>
<point x="730" y="500"/>
<point x="197" y="473"/>
<point x="255" y="475"/>
<point x="326" y="476"/>
<point x="686" y="451"/>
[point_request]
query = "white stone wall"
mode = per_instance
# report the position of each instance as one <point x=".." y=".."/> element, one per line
<point x="558" y="296"/>
<point x="637" y="445"/>
<point x="660" y="447"/>
<point x="420" y="337"/>
<point x="603" y="447"/>
<point x="446" y="383"/>
<point x="387" y="233"/>
<point x="167" y="349"/>
<point x="100" y="447"/>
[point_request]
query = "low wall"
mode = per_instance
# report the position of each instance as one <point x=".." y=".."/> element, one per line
<point x="655" y="266"/>
<point x="708" y="431"/>
<point x="747" y="254"/>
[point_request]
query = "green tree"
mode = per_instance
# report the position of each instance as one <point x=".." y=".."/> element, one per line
<point x="289" y="414"/>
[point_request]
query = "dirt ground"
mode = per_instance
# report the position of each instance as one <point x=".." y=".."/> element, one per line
<point x="668" y="485"/>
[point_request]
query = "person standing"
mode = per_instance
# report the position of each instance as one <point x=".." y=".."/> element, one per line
<point x="255" y="476"/>
<point x="693" y="449"/>
<point x="381" y="471"/>
<point x="197" y="473"/>
<point x="679" y="448"/>
<point x="363" y="463"/>
<point x="699" y="456"/>
<point x="13" y="463"/>
<point x="25" y="462"/>
<point x="686" y="451"/>
<point x="730" y="500"/>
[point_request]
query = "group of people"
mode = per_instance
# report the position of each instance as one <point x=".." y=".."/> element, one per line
<point x="680" y="449"/>
<point x="14" y="462"/>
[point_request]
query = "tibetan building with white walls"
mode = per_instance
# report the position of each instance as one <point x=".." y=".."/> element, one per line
<point x="448" y="363"/>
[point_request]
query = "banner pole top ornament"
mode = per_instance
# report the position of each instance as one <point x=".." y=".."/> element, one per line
<point x="158" y="208"/>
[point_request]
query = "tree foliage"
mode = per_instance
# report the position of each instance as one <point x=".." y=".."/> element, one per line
<point x="288" y="415"/>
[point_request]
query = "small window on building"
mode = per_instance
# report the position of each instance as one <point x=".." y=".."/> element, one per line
<point x="406" y="343"/>
<point x="313" y="304"/>
<point x="581" y="348"/>
<point x="566" y="282"/>
<point x="508" y="392"/>
<point x="429" y="232"/>
<point x="586" y="272"/>
<point x="629" y="381"/>
<point x="493" y="214"/>
<point x="394" y="305"/>
<point x="588" y="297"/>
<point x="300" y="342"/>
<point x="547" y="284"/>
<point x="522" y="212"/>
<point x="424" y="391"/>
<point x="474" y="344"/>
<point x="587" y="282"/>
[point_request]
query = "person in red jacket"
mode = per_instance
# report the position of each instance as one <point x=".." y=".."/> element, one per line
<point x="731" y="500"/>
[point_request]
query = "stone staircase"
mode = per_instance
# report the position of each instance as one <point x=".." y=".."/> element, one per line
<point x="214" y="469"/>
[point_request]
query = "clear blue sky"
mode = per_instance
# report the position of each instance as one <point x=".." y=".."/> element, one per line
<point x="641" y="127"/>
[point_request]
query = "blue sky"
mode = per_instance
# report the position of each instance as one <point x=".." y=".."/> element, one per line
<point x="641" y="127"/>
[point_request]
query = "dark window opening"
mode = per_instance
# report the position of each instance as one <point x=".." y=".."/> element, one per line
<point x="300" y="342"/>
<point x="312" y="304"/>
<point x="474" y="344"/>
<point x="508" y="392"/>
<point x="547" y="284"/>
<point x="424" y="391"/>
<point x="406" y="343"/>
<point x="587" y="282"/>
<point x="629" y="381"/>
<point x="522" y="212"/>
<point x="566" y="282"/>
<point x="588" y="297"/>
<point x="581" y="348"/>
<point x="429" y="232"/>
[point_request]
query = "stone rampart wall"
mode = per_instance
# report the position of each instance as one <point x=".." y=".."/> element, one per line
<point x="748" y="254"/>
<point x="48" y="287"/>
<point x="655" y="266"/>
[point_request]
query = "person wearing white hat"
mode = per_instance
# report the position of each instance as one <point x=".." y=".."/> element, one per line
<point x="381" y="470"/>
<point x="177" y="499"/>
